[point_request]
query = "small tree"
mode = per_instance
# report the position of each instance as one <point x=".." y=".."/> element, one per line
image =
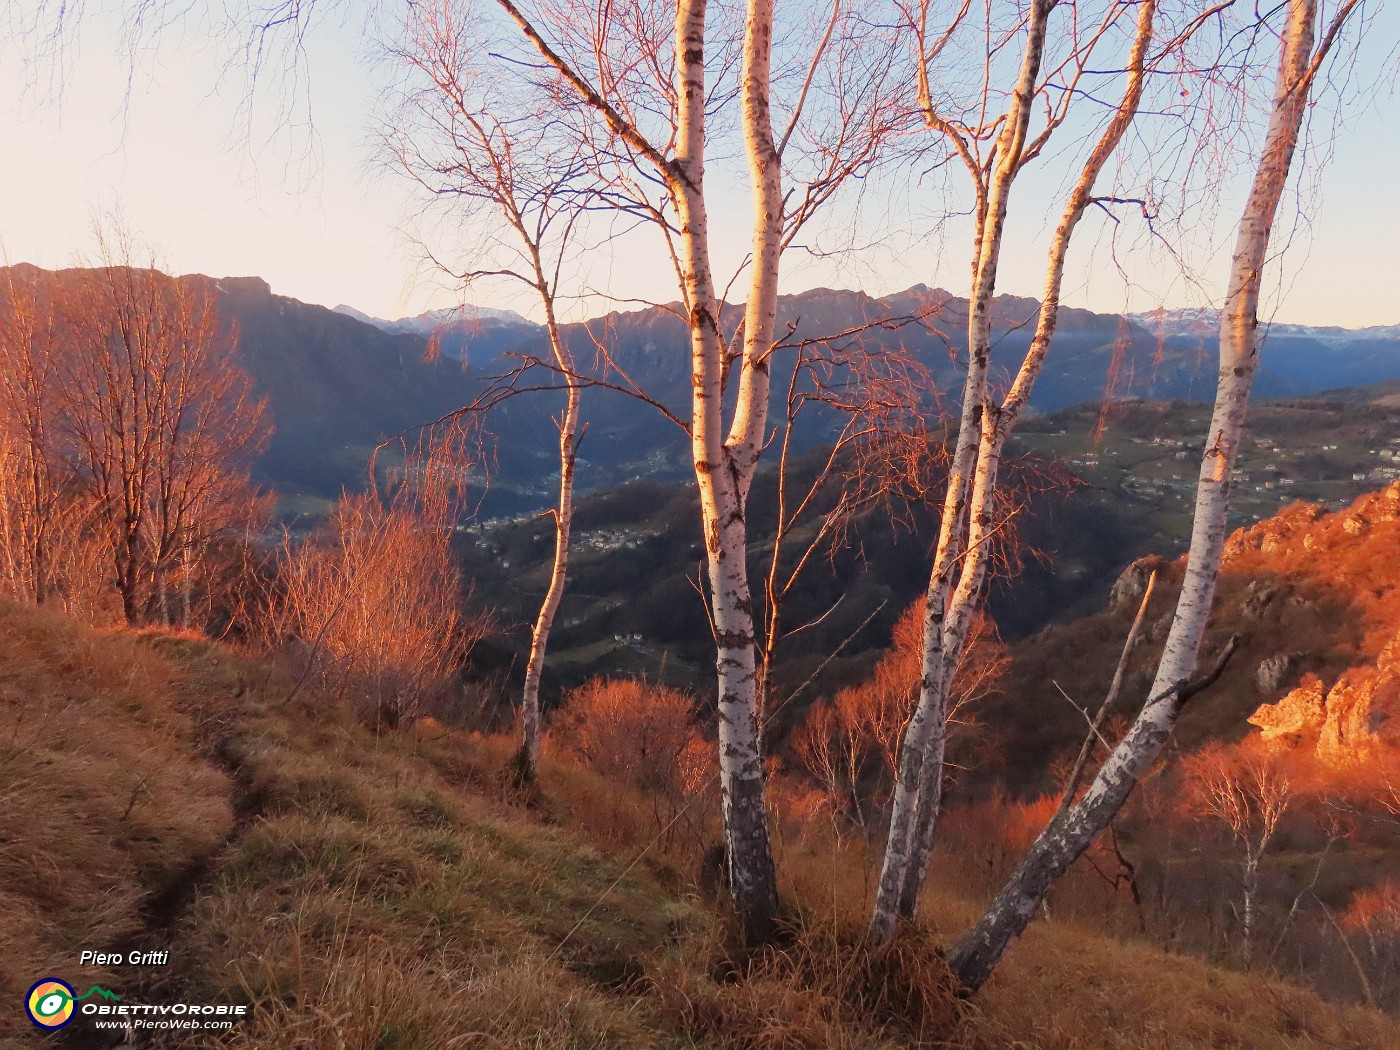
<point x="159" y="425"/>
<point x="850" y="746"/>
<point x="643" y="735"/>
<point x="1245" y="790"/>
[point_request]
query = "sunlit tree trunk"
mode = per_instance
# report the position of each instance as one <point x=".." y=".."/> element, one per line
<point x="724" y="455"/>
<point x="918" y="788"/>
<point x="724" y="466"/>
<point x="996" y="426"/>
<point x="740" y="739"/>
<point x="1070" y="832"/>
<point x="563" y="516"/>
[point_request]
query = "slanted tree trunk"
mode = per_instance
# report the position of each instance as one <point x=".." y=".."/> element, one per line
<point x="1069" y="833"/>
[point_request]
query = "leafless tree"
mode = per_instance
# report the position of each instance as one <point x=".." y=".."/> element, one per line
<point x="36" y="513"/>
<point x="654" y="90"/>
<point x="1302" y="53"/>
<point x="878" y="395"/>
<point x="160" y="423"/>
<point x="850" y="746"/>
<point x="1249" y="794"/>
<point x="996" y="140"/>
<point x="375" y="597"/>
<point x="490" y="144"/>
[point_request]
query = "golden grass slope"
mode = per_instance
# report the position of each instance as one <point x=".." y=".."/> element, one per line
<point x="384" y="892"/>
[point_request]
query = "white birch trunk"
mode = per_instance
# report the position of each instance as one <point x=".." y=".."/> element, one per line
<point x="563" y="523"/>
<point x="918" y="785"/>
<point x="997" y="424"/>
<point x="724" y="468"/>
<point x="1070" y="832"/>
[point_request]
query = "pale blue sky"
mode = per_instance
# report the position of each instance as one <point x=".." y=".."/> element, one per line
<point x="329" y="228"/>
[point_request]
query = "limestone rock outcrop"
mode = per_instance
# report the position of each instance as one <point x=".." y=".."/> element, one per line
<point x="1346" y="730"/>
<point x="1274" y="671"/>
<point x="1299" y="714"/>
<point x="1342" y="723"/>
<point x="1131" y="584"/>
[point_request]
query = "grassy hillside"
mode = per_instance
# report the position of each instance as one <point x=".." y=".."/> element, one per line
<point x="358" y="889"/>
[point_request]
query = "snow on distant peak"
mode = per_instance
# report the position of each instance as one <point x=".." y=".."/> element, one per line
<point x="1205" y="321"/>
<point x="1183" y="321"/>
<point x="432" y="321"/>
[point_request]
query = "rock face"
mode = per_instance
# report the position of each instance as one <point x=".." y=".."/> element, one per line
<point x="1300" y="713"/>
<point x="1346" y="731"/>
<point x="1131" y="584"/>
<point x="1259" y="595"/>
<point x="1354" y="524"/>
<point x="1274" y="671"/>
<point x="1341" y="723"/>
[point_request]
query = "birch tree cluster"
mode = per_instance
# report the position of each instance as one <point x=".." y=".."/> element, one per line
<point x="1133" y="113"/>
<point x="565" y="135"/>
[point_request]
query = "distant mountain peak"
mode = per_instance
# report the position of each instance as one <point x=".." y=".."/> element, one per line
<point x="1196" y="321"/>
<point x="431" y="321"/>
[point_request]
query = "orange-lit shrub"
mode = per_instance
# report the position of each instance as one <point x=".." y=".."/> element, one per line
<point x="375" y="596"/>
<point x="850" y="745"/>
<point x="646" y="737"/>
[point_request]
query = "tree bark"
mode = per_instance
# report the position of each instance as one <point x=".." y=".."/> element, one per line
<point x="724" y="474"/>
<point x="1069" y="833"/>
<point x="563" y="515"/>
<point x="919" y="785"/>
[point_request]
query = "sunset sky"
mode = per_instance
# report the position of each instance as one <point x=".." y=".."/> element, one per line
<point x="315" y="218"/>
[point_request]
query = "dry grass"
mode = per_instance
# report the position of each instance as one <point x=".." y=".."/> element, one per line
<point x="104" y="806"/>
<point x="389" y="892"/>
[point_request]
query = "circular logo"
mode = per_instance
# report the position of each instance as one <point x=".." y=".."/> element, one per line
<point x="50" y="1003"/>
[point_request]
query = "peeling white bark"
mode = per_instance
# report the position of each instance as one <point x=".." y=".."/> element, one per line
<point x="724" y="466"/>
<point x="919" y="784"/>
<point x="1069" y="833"/>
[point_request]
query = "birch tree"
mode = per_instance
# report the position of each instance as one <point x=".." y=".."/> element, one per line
<point x="1069" y="833"/>
<point x="653" y="90"/>
<point x="994" y="147"/>
<point x="1248" y="793"/>
<point x="486" y="144"/>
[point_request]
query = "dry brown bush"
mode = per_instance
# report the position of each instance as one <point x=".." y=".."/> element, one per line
<point x="647" y="737"/>
<point x="850" y="746"/>
<point x="375" y="597"/>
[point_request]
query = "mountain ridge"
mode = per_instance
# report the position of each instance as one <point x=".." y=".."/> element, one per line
<point x="338" y="386"/>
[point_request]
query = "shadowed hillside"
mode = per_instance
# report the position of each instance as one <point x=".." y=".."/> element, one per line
<point x="337" y="386"/>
